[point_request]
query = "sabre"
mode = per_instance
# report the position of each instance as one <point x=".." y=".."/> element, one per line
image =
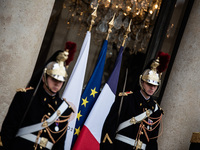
<point x="120" y="106"/>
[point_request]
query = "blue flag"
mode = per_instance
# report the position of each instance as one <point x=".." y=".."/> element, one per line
<point x="91" y="92"/>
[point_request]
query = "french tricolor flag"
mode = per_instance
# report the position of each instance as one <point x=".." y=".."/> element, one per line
<point x="90" y="135"/>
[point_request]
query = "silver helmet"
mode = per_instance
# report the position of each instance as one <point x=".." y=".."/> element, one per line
<point x="56" y="69"/>
<point x="151" y="76"/>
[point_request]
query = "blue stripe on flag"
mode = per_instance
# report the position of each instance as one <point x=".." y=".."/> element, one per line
<point x="115" y="74"/>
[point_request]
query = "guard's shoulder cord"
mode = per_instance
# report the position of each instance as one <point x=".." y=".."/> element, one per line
<point x="24" y="89"/>
<point x="125" y="93"/>
<point x="159" y="107"/>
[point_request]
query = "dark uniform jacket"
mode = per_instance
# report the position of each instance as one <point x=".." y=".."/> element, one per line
<point x="133" y="105"/>
<point x="43" y="105"/>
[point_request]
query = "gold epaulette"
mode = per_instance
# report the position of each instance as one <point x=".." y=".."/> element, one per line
<point x="159" y="106"/>
<point x="1" y="144"/>
<point x="68" y="104"/>
<point x="195" y="137"/>
<point x="125" y="93"/>
<point x="24" y="89"/>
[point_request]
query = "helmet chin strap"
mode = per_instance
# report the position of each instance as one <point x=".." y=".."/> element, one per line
<point x="146" y="92"/>
<point x="50" y="90"/>
<point x="140" y="82"/>
<point x="142" y="88"/>
<point x="46" y="84"/>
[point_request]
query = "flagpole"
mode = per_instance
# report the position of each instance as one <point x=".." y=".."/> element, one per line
<point x="93" y="86"/>
<point x="94" y="15"/>
<point x="111" y="24"/>
<point x="72" y="92"/>
<point x="125" y="37"/>
<point x="127" y="32"/>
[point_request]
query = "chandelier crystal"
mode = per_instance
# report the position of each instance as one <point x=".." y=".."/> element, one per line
<point x="142" y="12"/>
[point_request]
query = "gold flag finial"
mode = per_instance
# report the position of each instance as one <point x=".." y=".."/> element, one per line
<point x="127" y="32"/>
<point x="111" y="24"/>
<point x="94" y="15"/>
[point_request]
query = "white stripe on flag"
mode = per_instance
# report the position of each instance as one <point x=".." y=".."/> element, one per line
<point x="99" y="112"/>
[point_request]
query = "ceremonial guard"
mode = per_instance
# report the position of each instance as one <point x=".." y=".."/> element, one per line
<point x="37" y="117"/>
<point x="134" y="122"/>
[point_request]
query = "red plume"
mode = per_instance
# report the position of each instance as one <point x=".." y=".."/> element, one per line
<point x="164" y="60"/>
<point x="71" y="46"/>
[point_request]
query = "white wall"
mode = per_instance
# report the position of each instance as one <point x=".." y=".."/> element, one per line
<point x="22" y="27"/>
<point x="181" y="100"/>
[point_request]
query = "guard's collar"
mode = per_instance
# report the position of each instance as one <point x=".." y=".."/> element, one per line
<point x="144" y="96"/>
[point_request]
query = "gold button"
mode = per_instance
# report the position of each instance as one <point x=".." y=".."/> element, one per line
<point x="45" y="99"/>
<point x="49" y="113"/>
<point x="53" y="97"/>
<point x="140" y="104"/>
<point x="40" y="147"/>
<point x="45" y="131"/>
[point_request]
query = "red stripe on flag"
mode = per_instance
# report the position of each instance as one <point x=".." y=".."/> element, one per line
<point x="83" y="138"/>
